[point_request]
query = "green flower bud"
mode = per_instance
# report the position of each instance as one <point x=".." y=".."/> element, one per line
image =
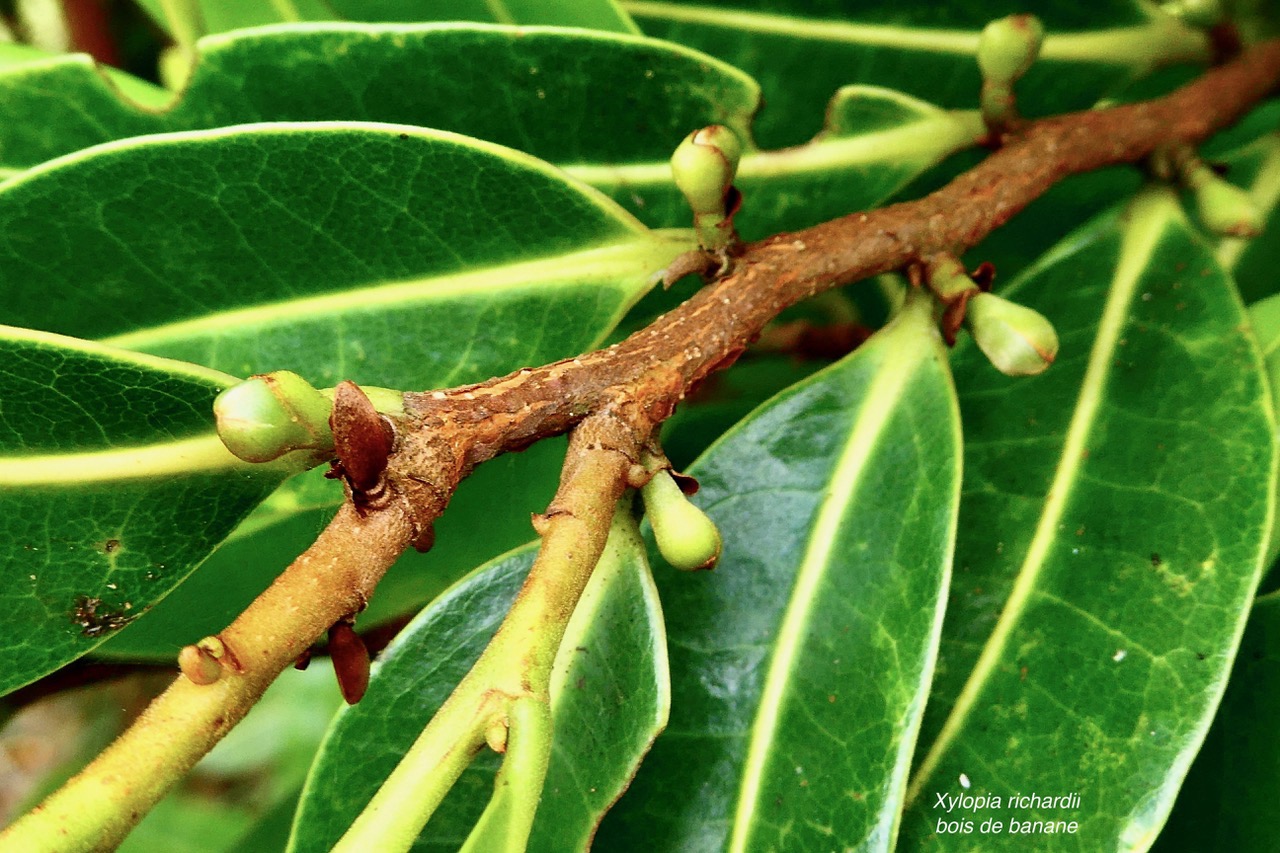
<point x="1017" y="340"/>
<point x="704" y="165"/>
<point x="267" y="416"/>
<point x="1225" y="209"/>
<point x="1008" y="46"/>
<point x="686" y="537"/>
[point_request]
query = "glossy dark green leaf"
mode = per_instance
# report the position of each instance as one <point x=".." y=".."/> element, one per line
<point x="611" y="99"/>
<point x="410" y="680"/>
<point x="223" y="15"/>
<point x="216" y="16"/>
<point x="726" y="398"/>
<point x="1264" y="317"/>
<point x="801" y="664"/>
<point x="802" y="51"/>
<point x="113" y="486"/>
<point x="875" y="141"/>
<point x="1113" y="522"/>
<point x="610" y="109"/>
<point x="1228" y="801"/>
<point x="332" y="250"/>
<point x="592" y="14"/>
<point x="610" y="697"/>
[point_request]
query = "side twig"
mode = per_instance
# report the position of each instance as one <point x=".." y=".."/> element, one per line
<point x="515" y="668"/>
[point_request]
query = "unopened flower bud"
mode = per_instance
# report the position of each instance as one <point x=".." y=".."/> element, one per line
<point x="267" y="416"/>
<point x="1225" y="209"/>
<point x="1008" y="46"/>
<point x="686" y="537"/>
<point x="1017" y="340"/>
<point x="704" y="165"/>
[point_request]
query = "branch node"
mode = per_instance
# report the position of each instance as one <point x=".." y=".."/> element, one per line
<point x="495" y="734"/>
<point x="198" y="665"/>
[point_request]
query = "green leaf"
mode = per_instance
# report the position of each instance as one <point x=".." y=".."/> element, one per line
<point x="113" y="486"/>
<point x="802" y="51"/>
<point x="1111" y="533"/>
<point x="223" y="15"/>
<point x="802" y="662"/>
<point x="324" y="249"/>
<point x="217" y="16"/>
<point x="1228" y="801"/>
<point x="1264" y="317"/>
<point x="726" y="398"/>
<point x="874" y="143"/>
<point x="568" y="97"/>
<point x="592" y="14"/>
<point x="610" y="696"/>
<point x="609" y="109"/>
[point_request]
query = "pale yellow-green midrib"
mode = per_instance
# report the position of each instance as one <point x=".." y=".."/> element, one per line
<point x="923" y="140"/>
<point x="1148" y="219"/>
<point x="198" y="455"/>
<point x="900" y="363"/>
<point x="1160" y="40"/>
<point x="626" y="265"/>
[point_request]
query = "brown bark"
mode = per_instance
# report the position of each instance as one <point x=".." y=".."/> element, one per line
<point x="446" y="433"/>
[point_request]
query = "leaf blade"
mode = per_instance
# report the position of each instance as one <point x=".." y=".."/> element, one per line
<point x="1087" y="491"/>
<point x="100" y="523"/>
